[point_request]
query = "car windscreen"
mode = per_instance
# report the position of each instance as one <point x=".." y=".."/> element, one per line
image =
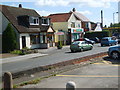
<point x="75" y="43"/>
<point x="104" y="39"/>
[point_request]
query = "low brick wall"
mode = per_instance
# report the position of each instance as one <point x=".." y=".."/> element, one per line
<point x="57" y="65"/>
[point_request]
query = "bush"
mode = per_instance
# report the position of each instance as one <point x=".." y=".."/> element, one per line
<point x="59" y="45"/>
<point x="19" y="52"/>
<point x="9" y="39"/>
<point x="100" y="35"/>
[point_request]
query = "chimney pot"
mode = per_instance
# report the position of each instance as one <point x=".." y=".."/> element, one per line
<point x="20" y="5"/>
<point x="74" y="9"/>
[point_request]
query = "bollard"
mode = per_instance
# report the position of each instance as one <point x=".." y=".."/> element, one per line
<point x="70" y="85"/>
<point x="8" y="83"/>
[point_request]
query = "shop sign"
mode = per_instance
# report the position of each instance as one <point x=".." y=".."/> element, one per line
<point x="76" y="30"/>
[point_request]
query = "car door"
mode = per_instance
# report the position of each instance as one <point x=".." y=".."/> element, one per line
<point x="83" y="44"/>
<point x="87" y="46"/>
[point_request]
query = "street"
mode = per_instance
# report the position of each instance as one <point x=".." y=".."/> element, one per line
<point x="103" y="74"/>
<point x="54" y="56"/>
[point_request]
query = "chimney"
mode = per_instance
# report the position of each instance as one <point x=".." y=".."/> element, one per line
<point x="20" y="5"/>
<point x="102" y="18"/>
<point x="74" y="10"/>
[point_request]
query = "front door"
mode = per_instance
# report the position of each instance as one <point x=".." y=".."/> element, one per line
<point x="23" y="41"/>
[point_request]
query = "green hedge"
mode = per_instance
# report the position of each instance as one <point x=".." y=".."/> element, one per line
<point x="100" y="35"/>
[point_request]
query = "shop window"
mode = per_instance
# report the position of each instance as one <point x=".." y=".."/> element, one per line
<point x="43" y="39"/>
<point x="34" y="39"/>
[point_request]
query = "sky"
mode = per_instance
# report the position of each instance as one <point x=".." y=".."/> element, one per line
<point x="89" y="8"/>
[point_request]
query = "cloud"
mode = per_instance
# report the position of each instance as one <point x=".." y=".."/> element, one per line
<point x="44" y="13"/>
<point x="51" y="3"/>
<point x="86" y="12"/>
<point x="90" y="3"/>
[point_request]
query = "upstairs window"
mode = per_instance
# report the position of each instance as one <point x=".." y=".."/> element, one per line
<point x="72" y="24"/>
<point x="34" y="21"/>
<point x="45" y="21"/>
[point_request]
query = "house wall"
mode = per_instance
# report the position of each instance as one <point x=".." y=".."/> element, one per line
<point x="60" y="26"/>
<point x="73" y="19"/>
<point x="28" y="45"/>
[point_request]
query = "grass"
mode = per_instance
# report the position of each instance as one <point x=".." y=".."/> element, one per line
<point x="35" y="81"/>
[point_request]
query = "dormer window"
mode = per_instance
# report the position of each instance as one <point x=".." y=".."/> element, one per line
<point x="45" y="21"/>
<point x="34" y="20"/>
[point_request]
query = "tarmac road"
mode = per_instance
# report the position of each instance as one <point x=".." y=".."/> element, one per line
<point x="54" y="56"/>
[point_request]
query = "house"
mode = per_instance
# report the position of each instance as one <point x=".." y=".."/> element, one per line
<point x="72" y="24"/>
<point x="98" y="27"/>
<point x="33" y="31"/>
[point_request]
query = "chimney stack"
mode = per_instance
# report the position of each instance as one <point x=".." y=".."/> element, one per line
<point x="102" y="18"/>
<point x="20" y="5"/>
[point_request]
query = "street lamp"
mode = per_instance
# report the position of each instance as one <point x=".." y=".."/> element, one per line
<point x="114" y="17"/>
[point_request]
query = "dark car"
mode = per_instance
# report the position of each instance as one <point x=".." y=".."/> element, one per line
<point x="96" y="39"/>
<point x="109" y="41"/>
<point x="114" y="52"/>
<point x="117" y="35"/>
<point x="89" y="41"/>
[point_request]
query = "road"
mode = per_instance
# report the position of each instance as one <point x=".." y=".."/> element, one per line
<point x="103" y="74"/>
<point x="54" y="56"/>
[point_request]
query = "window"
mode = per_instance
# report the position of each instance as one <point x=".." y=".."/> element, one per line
<point x="43" y="38"/>
<point x="45" y="21"/>
<point x="34" y="39"/>
<point x="73" y="24"/>
<point x="34" y="20"/>
<point x="79" y="25"/>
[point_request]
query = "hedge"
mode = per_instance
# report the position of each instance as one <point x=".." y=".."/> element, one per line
<point x="100" y="35"/>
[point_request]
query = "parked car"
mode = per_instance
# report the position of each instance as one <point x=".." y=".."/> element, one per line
<point x="96" y="39"/>
<point x="108" y="41"/>
<point x="114" y="52"/>
<point x="80" y="46"/>
<point x="117" y="35"/>
<point x="89" y="41"/>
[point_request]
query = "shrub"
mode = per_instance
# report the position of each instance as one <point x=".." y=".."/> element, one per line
<point x="59" y="45"/>
<point x="100" y="35"/>
<point x="19" y="52"/>
<point x="9" y="40"/>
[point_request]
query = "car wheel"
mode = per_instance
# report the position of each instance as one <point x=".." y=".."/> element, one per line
<point x="115" y="55"/>
<point x="72" y="50"/>
<point x="81" y="49"/>
<point x="91" y="48"/>
<point x="101" y="45"/>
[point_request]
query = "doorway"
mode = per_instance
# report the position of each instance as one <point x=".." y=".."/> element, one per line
<point x="23" y="41"/>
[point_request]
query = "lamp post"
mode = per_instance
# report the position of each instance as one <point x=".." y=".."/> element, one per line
<point x="114" y="17"/>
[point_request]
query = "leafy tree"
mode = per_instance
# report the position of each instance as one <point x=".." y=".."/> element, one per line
<point x="9" y="40"/>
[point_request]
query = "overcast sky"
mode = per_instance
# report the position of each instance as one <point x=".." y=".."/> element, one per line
<point x="90" y="8"/>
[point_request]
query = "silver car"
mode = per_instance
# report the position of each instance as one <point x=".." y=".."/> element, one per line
<point x="114" y="52"/>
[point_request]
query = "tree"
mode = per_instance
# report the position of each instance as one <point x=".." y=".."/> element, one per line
<point x="9" y="40"/>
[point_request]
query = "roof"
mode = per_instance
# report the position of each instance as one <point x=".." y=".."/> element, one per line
<point x="11" y="13"/>
<point x="81" y="17"/>
<point x="60" y="17"/>
<point x="64" y="17"/>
